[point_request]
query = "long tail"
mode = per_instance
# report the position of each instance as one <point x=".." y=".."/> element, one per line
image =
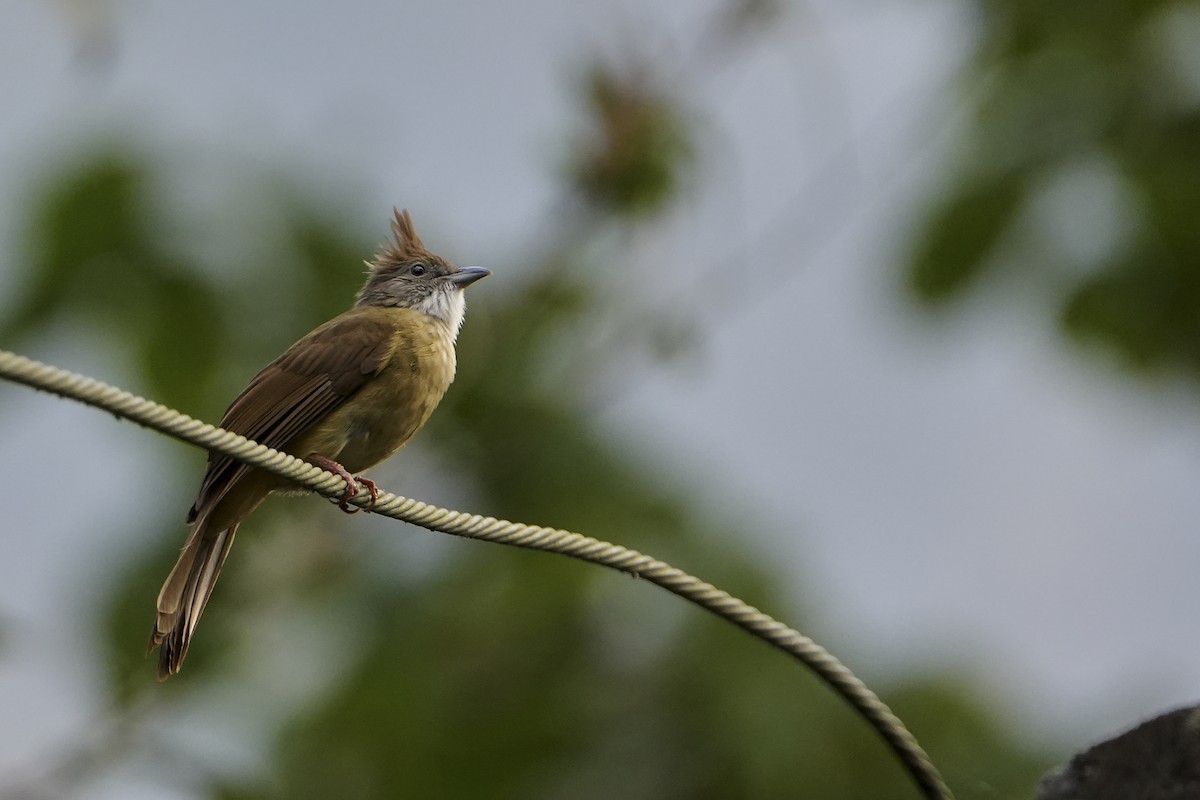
<point x="182" y="598"/>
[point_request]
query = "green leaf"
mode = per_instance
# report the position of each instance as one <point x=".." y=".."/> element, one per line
<point x="953" y="249"/>
<point x="1144" y="306"/>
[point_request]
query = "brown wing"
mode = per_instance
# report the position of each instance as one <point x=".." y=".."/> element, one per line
<point x="312" y="378"/>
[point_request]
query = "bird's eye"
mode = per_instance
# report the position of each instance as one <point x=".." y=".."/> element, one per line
<point x="417" y="269"/>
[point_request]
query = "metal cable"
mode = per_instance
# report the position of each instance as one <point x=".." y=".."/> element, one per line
<point x="166" y="420"/>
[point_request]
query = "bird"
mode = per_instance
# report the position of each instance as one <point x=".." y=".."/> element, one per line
<point x="344" y="397"/>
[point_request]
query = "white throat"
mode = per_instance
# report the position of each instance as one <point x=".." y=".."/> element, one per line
<point x="448" y="305"/>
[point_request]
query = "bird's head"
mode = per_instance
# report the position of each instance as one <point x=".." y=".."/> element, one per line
<point x="407" y="274"/>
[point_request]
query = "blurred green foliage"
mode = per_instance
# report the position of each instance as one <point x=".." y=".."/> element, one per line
<point x="631" y="160"/>
<point x="1111" y="87"/>
<point x="94" y="257"/>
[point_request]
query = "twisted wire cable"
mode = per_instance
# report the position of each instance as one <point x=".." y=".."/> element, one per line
<point x="165" y="420"/>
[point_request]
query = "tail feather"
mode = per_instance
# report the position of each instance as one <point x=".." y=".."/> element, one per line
<point x="185" y="593"/>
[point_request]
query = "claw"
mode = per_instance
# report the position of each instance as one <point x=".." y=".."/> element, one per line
<point x="372" y="487"/>
<point x="351" y="482"/>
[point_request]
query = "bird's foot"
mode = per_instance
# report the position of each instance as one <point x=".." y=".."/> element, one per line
<point x="352" y="482"/>
<point x="372" y="487"/>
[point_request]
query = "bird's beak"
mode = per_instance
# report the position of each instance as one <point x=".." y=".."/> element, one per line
<point x="465" y="276"/>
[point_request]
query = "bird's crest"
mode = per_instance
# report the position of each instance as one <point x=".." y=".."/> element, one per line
<point x="406" y="245"/>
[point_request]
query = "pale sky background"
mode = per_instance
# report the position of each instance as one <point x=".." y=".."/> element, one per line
<point x="963" y="493"/>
